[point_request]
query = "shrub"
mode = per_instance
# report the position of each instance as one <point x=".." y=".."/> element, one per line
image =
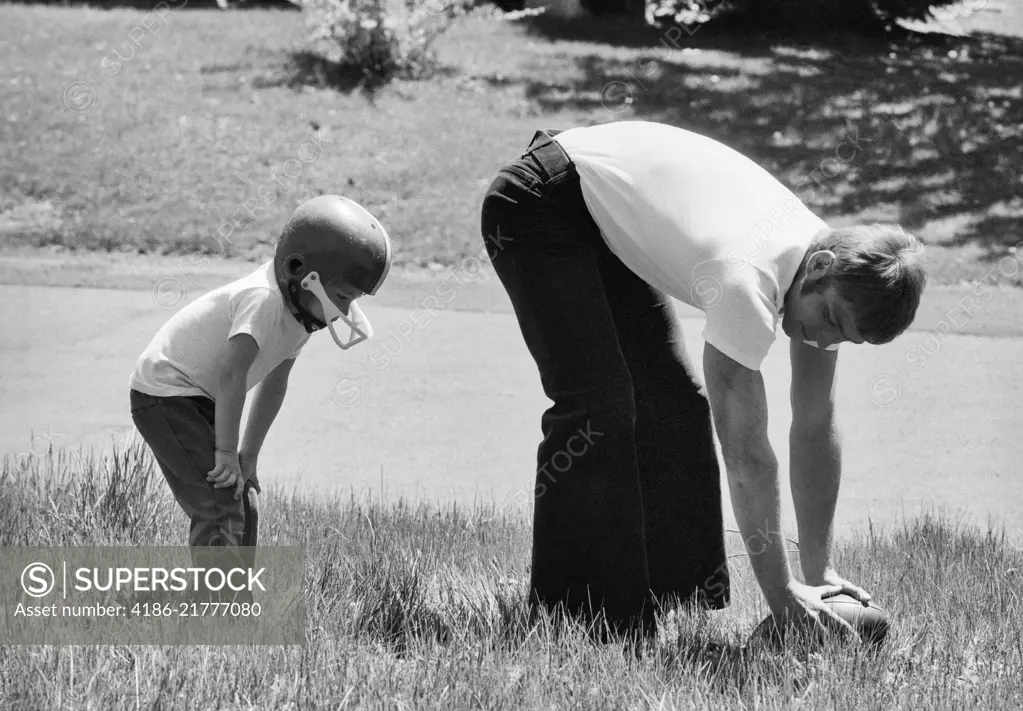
<point x="381" y="38"/>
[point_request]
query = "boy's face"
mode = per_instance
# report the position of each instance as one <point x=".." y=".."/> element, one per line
<point x="342" y="296"/>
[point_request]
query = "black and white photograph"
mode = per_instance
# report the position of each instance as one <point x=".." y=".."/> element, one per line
<point x="511" y="354"/>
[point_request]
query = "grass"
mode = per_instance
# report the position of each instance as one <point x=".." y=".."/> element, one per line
<point x="416" y="605"/>
<point x="201" y="117"/>
<point x="422" y="606"/>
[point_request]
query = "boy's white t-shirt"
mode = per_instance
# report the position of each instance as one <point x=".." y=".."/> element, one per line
<point x="699" y="221"/>
<point x="186" y="355"/>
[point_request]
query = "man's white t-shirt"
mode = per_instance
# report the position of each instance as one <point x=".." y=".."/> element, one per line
<point x="186" y="355"/>
<point x="699" y="221"/>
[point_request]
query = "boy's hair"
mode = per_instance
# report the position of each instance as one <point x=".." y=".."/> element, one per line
<point x="878" y="272"/>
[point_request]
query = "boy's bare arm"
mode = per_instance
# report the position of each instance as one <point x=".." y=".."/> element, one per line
<point x="242" y="350"/>
<point x="266" y="403"/>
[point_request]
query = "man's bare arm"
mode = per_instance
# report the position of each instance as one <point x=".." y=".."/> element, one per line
<point x="815" y="460"/>
<point x="815" y="454"/>
<point x="739" y="406"/>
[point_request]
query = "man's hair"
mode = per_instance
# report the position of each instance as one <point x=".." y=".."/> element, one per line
<point x="878" y="273"/>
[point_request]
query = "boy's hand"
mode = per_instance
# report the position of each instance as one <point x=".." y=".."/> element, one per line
<point x="227" y="471"/>
<point x="248" y="464"/>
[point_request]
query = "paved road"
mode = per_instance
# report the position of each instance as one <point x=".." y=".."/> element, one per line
<point x="448" y="406"/>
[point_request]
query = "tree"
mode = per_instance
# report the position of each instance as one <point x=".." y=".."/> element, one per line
<point x="871" y="17"/>
<point x="633" y="9"/>
<point x="863" y="16"/>
<point x="827" y="14"/>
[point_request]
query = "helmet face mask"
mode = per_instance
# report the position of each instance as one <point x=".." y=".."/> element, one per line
<point x="361" y="329"/>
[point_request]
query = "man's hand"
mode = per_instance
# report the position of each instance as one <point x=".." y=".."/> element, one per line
<point x="803" y="606"/>
<point x="831" y="578"/>
<point x="226" y="472"/>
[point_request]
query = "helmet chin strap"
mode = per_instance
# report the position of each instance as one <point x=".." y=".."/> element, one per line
<point x="361" y="330"/>
<point x="832" y="347"/>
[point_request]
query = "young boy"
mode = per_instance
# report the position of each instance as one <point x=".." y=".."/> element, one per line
<point x="189" y="386"/>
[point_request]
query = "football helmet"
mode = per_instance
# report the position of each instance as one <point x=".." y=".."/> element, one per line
<point x="332" y="246"/>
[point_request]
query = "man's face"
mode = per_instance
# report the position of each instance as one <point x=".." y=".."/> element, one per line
<point x="819" y="316"/>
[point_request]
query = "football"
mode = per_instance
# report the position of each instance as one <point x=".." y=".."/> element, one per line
<point x="870" y="621"/>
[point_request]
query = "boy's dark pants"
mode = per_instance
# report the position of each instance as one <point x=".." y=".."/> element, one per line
<point x="628" y="496"/>
<point x="181" y="433"/>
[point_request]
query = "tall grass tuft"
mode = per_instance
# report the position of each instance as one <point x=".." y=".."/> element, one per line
<point x="419" y="605"/>
<point x="68" y="497"/>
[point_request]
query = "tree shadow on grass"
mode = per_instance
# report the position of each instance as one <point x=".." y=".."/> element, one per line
<point x="186" y="4"/>
<point x="305" y="68"/>
<point x="735" y="28"/>
<point x="174" y="5"/>
<point x="927" y="133"/>
<point x="297" y="70"/>
<point x="626" y="32"/>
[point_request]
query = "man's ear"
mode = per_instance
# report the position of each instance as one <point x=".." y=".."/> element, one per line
<point x="819" y="264"/>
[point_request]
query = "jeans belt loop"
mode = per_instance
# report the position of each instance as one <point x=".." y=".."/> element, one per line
<point x="549" y="153"/>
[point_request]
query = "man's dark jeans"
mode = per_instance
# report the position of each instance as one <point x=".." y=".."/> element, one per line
<point x="628" y="497"/>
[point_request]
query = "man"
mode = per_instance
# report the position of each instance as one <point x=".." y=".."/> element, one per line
<point x="591" y="231"/>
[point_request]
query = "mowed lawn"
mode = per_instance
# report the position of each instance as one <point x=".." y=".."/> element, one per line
<point x="201" y="130"/>
<point x="420" y="605"/>
<point x="423" y="606"/>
